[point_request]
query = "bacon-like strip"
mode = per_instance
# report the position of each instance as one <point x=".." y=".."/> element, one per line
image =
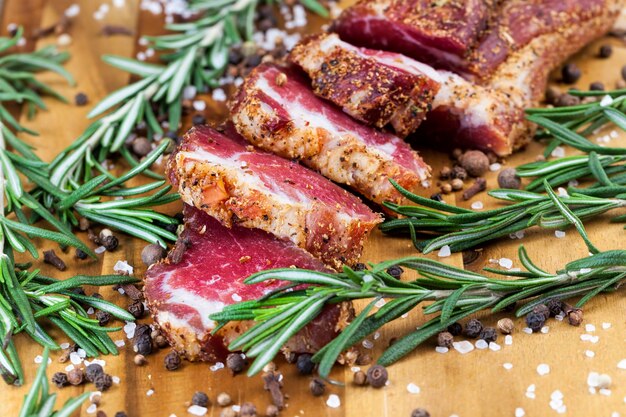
<point x="276" y="110"/>
<point x="377" y="88"/>
<point x="227" y="178"/>
<point x="205" y="272"/>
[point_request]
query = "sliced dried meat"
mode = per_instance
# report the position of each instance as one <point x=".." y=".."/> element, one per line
<point x="239" y="185"/>
<point x="377" y="88"/>
<point x="208" y="275"/>
<point x="276" y="110"/>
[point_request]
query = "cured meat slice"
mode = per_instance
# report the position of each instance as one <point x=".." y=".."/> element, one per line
<point x="205" y="272"/>
<point x="276" y="110"/>
<point x="473" y="37"/>
<point x="237" y="184"/>
<point x="377" y="88"/>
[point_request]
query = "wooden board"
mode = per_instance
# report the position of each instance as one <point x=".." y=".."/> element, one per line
<point x="475" y="384"/>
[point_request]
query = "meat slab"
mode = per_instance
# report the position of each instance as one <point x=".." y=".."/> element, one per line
<point x="239" y="185"/>
<point x="205" y="272"/>
<point x="377" y="88"/>
<point x="473" y="37"/>
<point x="276" y="110"/>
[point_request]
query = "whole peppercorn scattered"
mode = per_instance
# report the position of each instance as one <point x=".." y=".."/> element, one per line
<point x="566" y="100"/>
<point x="59" y="379"/>
<point x="473" y="328"/>
<point x="142" y="343"/>
<point x="395" y="271"/>
<point x="570" y="73"/>
<point x="377" y="376"/>
<point x="139" y="360"/>
<point x="81" y="99"/>
<point x="535" y="321"/>
<point x="445" y="173"/>
<point x="475" y="163"/>
<point x="80" y="254"/>
<point x="575" y="317"/>
<point x="121" y="414"/>
<point x="552" y="94"/>
<point x="446" y="188"/>
<point x="445" y="339"/>
<point x="160" y="341"/>
<point x="420" y="412"/>
<point x="436" y="197"/>
<point x="248" y="410"/>
<point x="488" y="334"/>
<point x="141" y="146"/>
<point x="555" y="306"/>
<point x="508" y="178"/>
<point x="542" y="309"/>
<point x="456" y="184"/>
<point x="235" y="363"/>
<point x="596" y="86"/>
<point x="359" y="378"/>
<point x="359" y="266"/>
<point x="103" y="317"/>
<point x="456" y="153"/>
<point x="172" y="361"/>
<point x="92" y="371"/>
<point x="459" y="172"/>
<point x="152" y="254"/>
<point x="506" y="326"/>
<point x="223" y="399"/>
<point x="137" y="309"/>
<point x="103" y="382"/>
<point x="96" y="398"/>
<point x="200" y="398"/>
<point x="75" y="376"/>
<point x="198" y="119"/>
<point x="317" y="387"/>
<point x="455" y="329"/>
<point x="304" y="364"/>
<point x="605" y="51"/>
<point x="272" y="411"/>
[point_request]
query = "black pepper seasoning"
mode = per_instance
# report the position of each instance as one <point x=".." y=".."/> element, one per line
<point x="92" y="371"/>
<point x="60" y="379"/>
<point x="103" y="317"/>
<point x="555" y="306"/>
<point x="235" y="363"/>
<point x="359" y="266"/>
<point x="81" y="99"/>
<point x="317" y="387"/>
<point x="395" y="271"/>
<point x="488" y="334"/>
<point x="137" y="309"/>
<point x="198" y="119"/>
<point x="605" y="51"/>
<point x="473" y="328"/>
<point x="103" y="382"/>
<point x="304" y="364"/>
<point x="570" y="73"/>
<point x="142" y="342"/>
<point x="455" y="329"/>
<point x="377" y="376"/>
<point x="596" y="86"/>
<point x="80" y="254"/>
<point x="200" y="398"/>
<point x="535" y="321"/>
<point x="172" y="361"/>
<point x="542" y="309"/>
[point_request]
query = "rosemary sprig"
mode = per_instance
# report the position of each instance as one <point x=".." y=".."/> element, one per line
<point x="39" y="402"/>
<point x="462" y="229"/>
<point x="455" y="293"/>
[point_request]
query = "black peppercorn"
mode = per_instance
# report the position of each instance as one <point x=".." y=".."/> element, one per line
<point x="605" y="51"/>
<point x="570" y="73"/>
<point x="377" y="376"/>
<point x="420" y="412"/>
<point x="436" y="197"/>
<point x="535" y="321"/>
<point x="488" y="334"/>
<point x="103" y="382"/>
<point x="137" y="309"/>
<point x="359" y="266"/>
<point x="103" y="317"/>
<point x="596" y="86"/>
<point x="142" y="343"/>
<point x="317" y="387"/>
<point x="305" y="365"/>
<point x="395" y="271"/>
<point x="566" y="100"/>
<point x="555" y="306"/>
<point x="200" y="398"/>
<point x="110" y="243"/>
<point x="247" y="410"/>
<point x="172" y="361"/>
<point x="198" y="119"/>
<point x="235" y="363"/>
<point x="92" y="371"/>
<point x="473" y="328"/>
<point x="80" y="254"/>
<point x="542" y="309"/>
<point x="455" y="329"/>
<point x="459" y="173"/>
<point x="81" y="99"/>
<point x="121" y="414"/>
<point x="60" y="379"/>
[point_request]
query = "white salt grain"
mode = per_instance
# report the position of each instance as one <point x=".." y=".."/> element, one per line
<point x="527" y="330"/>
<point x="413" y="389"/>
<point x="621" y="364"/>
<point x="590" y="353"/>
<point x="115" y="379"/>
<point x="380" y="303"/>
<point x="507" y="366"/>
<point x="199" y="105"/>
<point x="81" y="352"/>
<point x="189" y="92"/>
<point x="64" y="39"/>
<point x="150" y="392"/>
<point x="494" y="346"/>
<point x="441" y="349"/>
<point x="585" y="337"/>
<point x="463" y="347"/>
<point x="218" y="95"/>
<point x="481" y="344"/>
<point x="505" y="263"/>
<point x="38" y="359"/>
<point x="333" y="401"/>
<point x="129" y="329"/>
<point x="75" y="358"/>
<point x="120" y="343"/>
<point x="606" y="326"/>
<point x="477" y="205"/>
<point x="543" y="369"/>
<point x="556" y="395"/>
<point x="594" y="339"/>
<point x="100" y="249"/>
<point x="592" y="379"/>
<point x="508" y="340"/>
<point x="217" y="366"/>
<point x="604" y="381"/>
<point x="197" y="410"/>
<point x="604" y="391"/>
<point x="355" y="369"/>
<point x="558" y="152"/>
<point x="444" y="252"/>
<point x="368" y="344"/>
<point x="92" y="409"/>
<point x="545" y="329"/>
<point x="559" y="234"/>
<point x="606" y="101"/>
<point x="72" y="11"/>
<point x="236" y="297"/>
<point x="123" y="267"/>
<point x="90" y="310"/>
<point x="559" y="317"/>
<point x="519" y="412"/>
<point x="69" y="368"/>
<point x="495" y="167"/>
<point x="590" y="328"/>
<point x="65" y="345"/>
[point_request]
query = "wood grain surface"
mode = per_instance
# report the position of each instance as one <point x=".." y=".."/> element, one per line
<point x="475" y="384"/>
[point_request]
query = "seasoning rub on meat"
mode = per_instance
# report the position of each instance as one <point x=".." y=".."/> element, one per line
<point x="276" y="110"/>
<point x="239" y="185"/>
<point x="205" y="271"/>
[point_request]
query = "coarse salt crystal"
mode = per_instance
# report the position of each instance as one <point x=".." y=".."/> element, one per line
<point x="621" y="364"/>
<point x="494" y="346"/>
<point x="477" y="205"/>
<point x="606" y="101"/>
<point x="413" y="389"/>
<point x="562" y="192"/>
<point x="559" y="234"/>
<point x="530" y="395"/>
<point x="559" y="317"/>
<point x="236" y="297"/>
<point x="129" y="329"/>
<point x="495" y="167"/>
<point x="508" y="339"/>
<point x="119" y="3"/>
<point x="197" y="410"/>
<point x="558" y="152"/>
<point x="189" y="92"/>
<point x="380" y="303"/>
<point x="594" y="339"/>
<point x="217" y="366"/>
<point x="519" y="412"/>
<point x="72" y="11"/>
<point x="376" y="335"/>
<point x="100" y="249"/>
<point x="333" y="401"/>
<point x="65" y="345"/>
<point x="585" y="337"/>
<point x="120" y="343"/>
<point x="81" y="352"/>
<point x="121" y="290"/>
<point x="592" y="379"/>
<point x="441" y="349"/>
<point x="590" y="328"/>
<point x="444" y="252"/>
<point x="463" y="347"/>
<point x="91" y="409"/>
<point x="604" y="391"/>
<point x="606" y="326"/>
<point x="150" y="392"/>
<point x="38" y="359"/>
<point x="590" y="353"/>
<point x="368" y="344"/>
<point x="543" y="369"/>
<point x="115" y="379"/>
<point x="199" y="105"/>
<point x="355" y="369"/>
<point x="507" y="365"/>
<point x="90" y="310"/>
<point x="505" y="263"/>
<point x="527" y="330"/>
<point x="123" y="267"/>
<point x="545" y="329"/>
<point x="236" y="408"/>
<point x="68" y="368"/>
<point x="75" y="358"/>
<point x="64" y="39"/>
<point x="218" y="95"/>
<point x="481" y="344"/>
